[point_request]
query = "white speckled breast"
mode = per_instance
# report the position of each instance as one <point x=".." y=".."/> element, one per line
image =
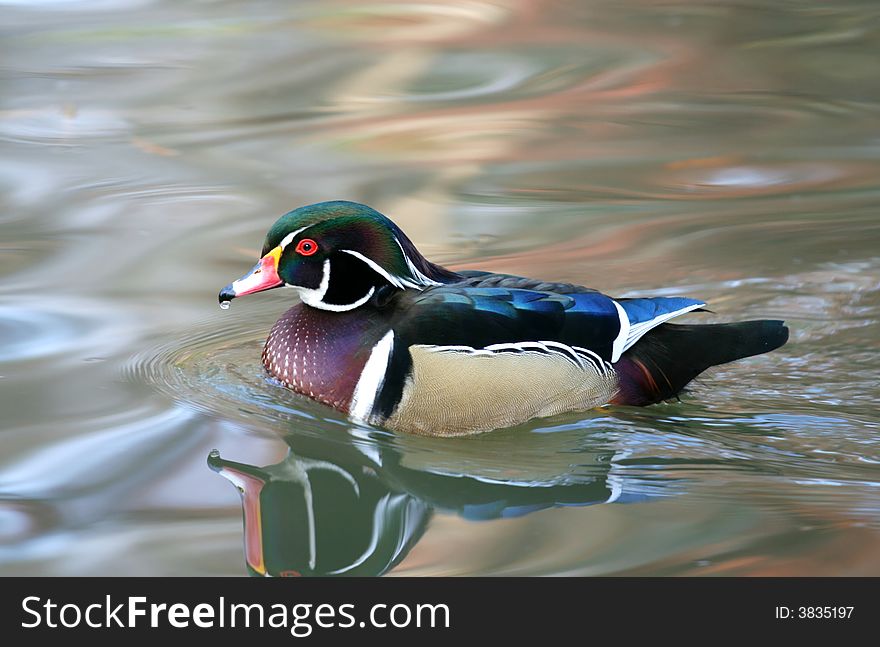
<point x="319" y="354"/>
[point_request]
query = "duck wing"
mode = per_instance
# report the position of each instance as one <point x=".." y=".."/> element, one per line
<point x="487" y="309"/>
<point x="478" y="279"/>
<point x="546" y="350"/>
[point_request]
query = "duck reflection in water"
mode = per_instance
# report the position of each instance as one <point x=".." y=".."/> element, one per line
<point x="357" y="508"/>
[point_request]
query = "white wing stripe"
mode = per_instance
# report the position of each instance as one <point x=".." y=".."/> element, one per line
<point x="619" y="344"/>
<point x="396" y="281"/>
<point x="582" y="358"/>
<point x="603" y="365"/>
<point x="638" y="330"/>
<point x="630" y="333"/>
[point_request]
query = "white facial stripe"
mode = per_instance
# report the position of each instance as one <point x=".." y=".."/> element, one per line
<point x="315" y="297"/>
<point x="289" y="237"/>
<point x="372" y="378"/>
<point x="422" y="280"/>
<point x="396" y="281"/>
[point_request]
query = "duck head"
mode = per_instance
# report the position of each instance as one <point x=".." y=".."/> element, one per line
<point x="307" y="516"/>
<point x="338" y="256"/>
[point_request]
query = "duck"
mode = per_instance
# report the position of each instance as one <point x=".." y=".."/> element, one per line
<point x="392" y="340"/>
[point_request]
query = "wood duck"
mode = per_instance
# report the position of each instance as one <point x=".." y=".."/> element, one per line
<point x="391" y="339"/>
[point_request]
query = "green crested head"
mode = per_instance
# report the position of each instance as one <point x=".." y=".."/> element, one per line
<point x="338" y="255"/>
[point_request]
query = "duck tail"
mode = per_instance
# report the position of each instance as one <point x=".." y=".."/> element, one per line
<point x="661" y="364"/>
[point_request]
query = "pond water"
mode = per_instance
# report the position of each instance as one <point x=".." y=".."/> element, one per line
<point x="724" y="151"/>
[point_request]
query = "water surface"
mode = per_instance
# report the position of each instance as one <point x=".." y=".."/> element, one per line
<point x="728" y="152"/>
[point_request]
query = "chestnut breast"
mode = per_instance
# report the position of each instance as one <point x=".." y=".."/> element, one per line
<point x="321" y="354"/>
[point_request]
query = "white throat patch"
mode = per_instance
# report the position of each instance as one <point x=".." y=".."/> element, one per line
<point x="314" y="297"/>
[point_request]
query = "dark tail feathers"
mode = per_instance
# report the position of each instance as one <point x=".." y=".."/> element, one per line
<point x="668" y="357"/>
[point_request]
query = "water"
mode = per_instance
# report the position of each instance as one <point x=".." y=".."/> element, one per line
<point x="728" y="152"/>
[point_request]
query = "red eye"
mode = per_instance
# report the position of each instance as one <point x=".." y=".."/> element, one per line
<point x="306" y="247"/>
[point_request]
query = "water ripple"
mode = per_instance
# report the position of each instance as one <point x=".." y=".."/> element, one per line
<point x="215" y="368"/>
<point x="69" y="127"/>
<point x="65" y="330"/>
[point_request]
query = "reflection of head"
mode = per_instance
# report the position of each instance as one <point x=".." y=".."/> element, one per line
<point x="311" y="517"/>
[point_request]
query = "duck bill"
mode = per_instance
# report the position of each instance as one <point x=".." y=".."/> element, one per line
<point x="249" y="480"/>
<point x="264" y="276"/>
